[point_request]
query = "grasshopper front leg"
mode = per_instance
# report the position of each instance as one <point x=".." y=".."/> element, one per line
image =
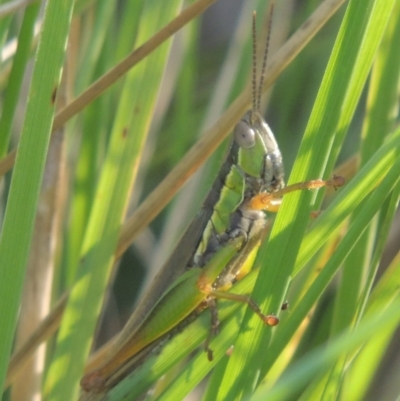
<point x="270" y="202"/>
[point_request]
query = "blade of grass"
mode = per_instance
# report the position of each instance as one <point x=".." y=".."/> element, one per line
<point x="22" y="201"/>
<point x="119" y="171"/>
<point x="361" y="374"/>
<point x="382" y="99"/>
<point x="17" y="72"/>
<point x="320" y="359"/>
<point x="94" y="132"/>
<point x="347" y="297"/>
<point x="12" y="6"/>
<point x="300" y="311"/>
<point x="344" y="78"/>
<point x="357" y="265"/>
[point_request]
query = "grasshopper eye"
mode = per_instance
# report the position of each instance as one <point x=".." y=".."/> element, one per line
<point x="244" y="135"/>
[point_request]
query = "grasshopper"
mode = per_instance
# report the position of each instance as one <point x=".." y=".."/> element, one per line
<point x="219" y="246"/>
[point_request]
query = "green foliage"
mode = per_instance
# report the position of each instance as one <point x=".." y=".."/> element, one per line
<point x="331" y="342"/>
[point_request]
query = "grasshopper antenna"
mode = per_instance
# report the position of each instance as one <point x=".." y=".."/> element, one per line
<point x="258" y="93"/>
<point x="254" y="77"/>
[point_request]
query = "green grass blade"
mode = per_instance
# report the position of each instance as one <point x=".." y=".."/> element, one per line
<point x="358" y="263"/>
<point x="103" y="33"/>
<point x="94" y="139"/>
<point x="349" y="296"/>
<point x="300" y="311"/>
<point x="361" y="372"/>
<point x="16" y="76"/>
<point x="321" y="359"/>
<point x="22" y="201"/>
<point x="120" y="166"/>
<point x="335" y="105"/>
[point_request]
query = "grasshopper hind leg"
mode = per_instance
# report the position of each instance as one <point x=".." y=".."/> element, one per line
<point x="214" y="327"/>
<point x="270" y="320"/>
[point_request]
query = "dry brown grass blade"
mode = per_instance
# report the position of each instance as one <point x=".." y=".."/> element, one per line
<point x="46" y="329"/>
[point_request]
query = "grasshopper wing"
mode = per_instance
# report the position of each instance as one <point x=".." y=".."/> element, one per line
<point x="180" y="259"/>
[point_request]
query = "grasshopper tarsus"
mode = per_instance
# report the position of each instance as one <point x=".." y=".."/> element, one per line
<point x="337" y="181"/>
<point x="285" y="305"/>
<point x="271" y="320"/>
<point x="210" y="353"/>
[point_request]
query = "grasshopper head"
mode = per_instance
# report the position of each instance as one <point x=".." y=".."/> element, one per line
<point x="258" y="154"/>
